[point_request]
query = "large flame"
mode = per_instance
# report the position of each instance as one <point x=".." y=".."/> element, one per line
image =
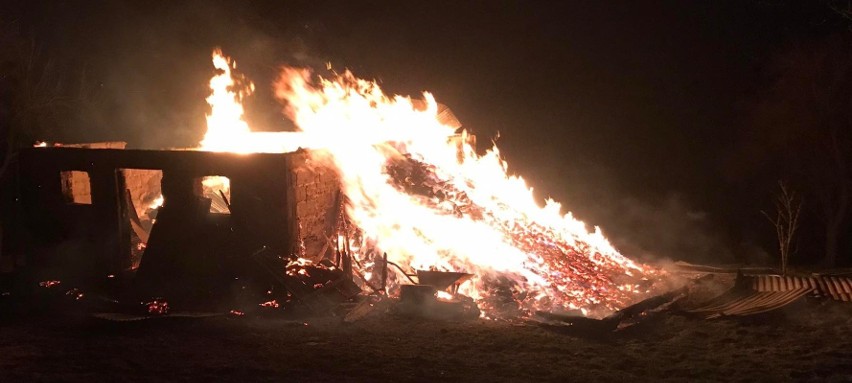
<point x="226" y="128"/>
<point x="418" y="191"/>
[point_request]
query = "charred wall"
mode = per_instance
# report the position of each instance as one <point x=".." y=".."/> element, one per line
<point x="97" y="231"/>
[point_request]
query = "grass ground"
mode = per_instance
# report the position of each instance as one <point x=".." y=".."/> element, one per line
<point x="808" y="341"/>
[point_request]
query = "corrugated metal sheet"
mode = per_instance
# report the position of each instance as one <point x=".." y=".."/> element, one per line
<point x="749" y="302"/>
<point x="837" y="288"/>
<point x="761" y="293"/>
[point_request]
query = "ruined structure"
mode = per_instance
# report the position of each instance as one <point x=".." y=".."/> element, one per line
<point x="81" y="210"/>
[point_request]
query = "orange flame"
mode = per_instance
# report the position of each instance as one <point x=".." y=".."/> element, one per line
<point x="225" y="123"/>
<point x="465" y="213"/>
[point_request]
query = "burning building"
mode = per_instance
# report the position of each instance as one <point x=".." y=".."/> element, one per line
<point x="368" y="181"/>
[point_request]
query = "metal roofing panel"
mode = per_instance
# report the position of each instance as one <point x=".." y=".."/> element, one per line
<point x="769" y="292"/>
<point x="838" y="288"/>
<point x="750" y="302"/>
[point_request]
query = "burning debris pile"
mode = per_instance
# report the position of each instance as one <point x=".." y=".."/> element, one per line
<point x="575" y="271"/>
<point x="419" y="192"/>
<point x="408" y="202"/>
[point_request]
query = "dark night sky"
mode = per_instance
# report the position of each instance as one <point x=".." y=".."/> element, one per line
<point x="625" y="111"/>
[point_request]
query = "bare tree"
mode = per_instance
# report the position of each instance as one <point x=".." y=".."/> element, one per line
<point x="827" y="92"/>
<point x="786" y="222"/>
<point x="31" y="105"/>
<point x="34" y="100"/>
<point x="804" y="123"/>
<point x="843" y="8"/>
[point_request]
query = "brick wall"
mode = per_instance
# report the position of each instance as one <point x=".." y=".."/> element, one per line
<point x="76" y="187"/>
<point x="144" y="186"/>
<point x="316" y="195"/>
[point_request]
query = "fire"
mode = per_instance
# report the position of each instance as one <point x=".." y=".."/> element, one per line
<point x="443" y="295"/>
<point x="227" y="129"/>
<point x="226" y="126"/>
<point x="156" y="203"/>
<point x="421" y="193"/>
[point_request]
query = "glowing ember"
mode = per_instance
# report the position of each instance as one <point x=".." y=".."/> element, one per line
<point x="48" y="284"/>
<point x="158" y="306"/>
<point x="300" y="262"/>
<point x="75" y="294"/>
<point x="421" y="193"/>
<point x="271" y="304"/>
<point x="443" y="295"/>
